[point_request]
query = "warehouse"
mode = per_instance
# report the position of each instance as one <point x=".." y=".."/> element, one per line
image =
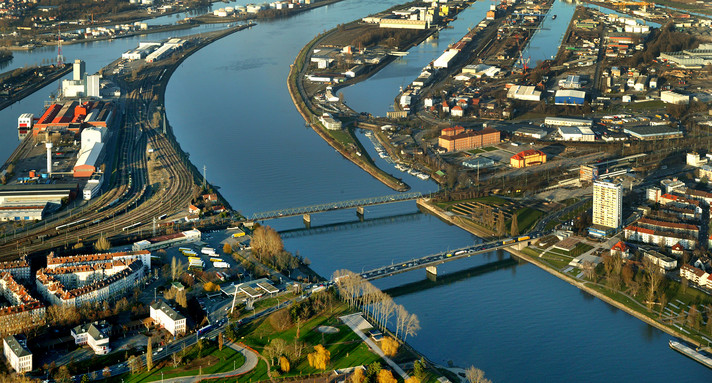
<point x="569" y="97"/>
<point x="573" y="133"/>
<point x="564" y="121"/>
<point x="531" y="132"/>
<point x="88" y="161"/>
<point x="571" y="82"/>
<point x="168" y="240"/>
<point x="525" y="93"/>
<point x="670" y="97"/>
<point x="445" y="58"/>
<point x="656" y="132"/>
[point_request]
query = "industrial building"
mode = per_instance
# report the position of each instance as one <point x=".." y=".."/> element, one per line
<point x="607" y="205"/>
<point x="32" y="201"/>
<point x="565" y="121"/>
<point x="571" y="82"/>
<point x="444" y="59"/>
<point x="670" y="97"/>
<point x="140" y="53"/>
<point x="574" y="133"/>
<point x="168" y="240"/>
<point x="165" y="50"/>
<point x="526" y="158"/>
<point x="690" y="58"/>
<point x="73" y="117"/>
<point x="531" y="132"/>
<point x="81" y="84"/>
<point x="569" y="97"/>
<point x="167" y="317"/>
<point x="525" y="93"/>
<point x="17" y="354"/>
<point x="330" y="122"/>
<point x="458" y="138"/>
<point x="653" y="132"/>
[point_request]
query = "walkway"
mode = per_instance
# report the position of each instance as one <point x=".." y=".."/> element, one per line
<point x="251" y="360"/>
<point x="356" y="323"/>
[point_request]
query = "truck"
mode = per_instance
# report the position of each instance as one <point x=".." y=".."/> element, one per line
<point x="207" y="251"/>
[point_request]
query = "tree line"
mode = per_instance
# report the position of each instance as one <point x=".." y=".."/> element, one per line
<point x="379" y="306"/>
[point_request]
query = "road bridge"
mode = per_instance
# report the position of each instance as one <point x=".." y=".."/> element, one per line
<point x="361" y="223"/>
<point x="359" y="204"/>
<point x="430" y="262"/>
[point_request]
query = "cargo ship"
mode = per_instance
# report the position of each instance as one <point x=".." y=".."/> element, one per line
<point x="690" y="352"/>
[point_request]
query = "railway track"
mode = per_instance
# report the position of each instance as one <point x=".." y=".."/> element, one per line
<point x="131" y="200"/>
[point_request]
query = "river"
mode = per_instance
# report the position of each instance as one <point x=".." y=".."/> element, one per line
<point x="230" y="110"/>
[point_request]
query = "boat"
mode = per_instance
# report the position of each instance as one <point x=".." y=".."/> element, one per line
<point x="423" y="176"/>
<point x="690" y="352"/>
<point x="553" y="17"/>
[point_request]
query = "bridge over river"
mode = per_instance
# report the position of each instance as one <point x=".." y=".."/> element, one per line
<point x="430" y="262"/>
<point x="359" y="204"/>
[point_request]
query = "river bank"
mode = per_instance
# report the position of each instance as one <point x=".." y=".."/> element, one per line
<point x="584" y="286"/>
<point x="471" y="228"/>
<point x="35" y="86"/>
<point x="293" y="87"/>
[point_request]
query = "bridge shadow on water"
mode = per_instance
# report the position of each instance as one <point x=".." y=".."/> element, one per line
<point x="446" y="279"/>
<point x="350" y="225"/>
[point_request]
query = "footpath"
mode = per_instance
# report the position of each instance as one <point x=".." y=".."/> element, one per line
<point x="251" y="360"/>
<point x="357" y="324"/>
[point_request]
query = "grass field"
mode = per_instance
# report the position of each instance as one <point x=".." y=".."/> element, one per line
<point x="346" y="348"/>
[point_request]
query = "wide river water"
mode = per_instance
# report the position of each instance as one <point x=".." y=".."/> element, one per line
<point x="229" y="107"/>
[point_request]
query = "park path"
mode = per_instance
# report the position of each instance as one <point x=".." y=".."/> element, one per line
<point x="356" y="322"/>
<point x="251" y="360"/>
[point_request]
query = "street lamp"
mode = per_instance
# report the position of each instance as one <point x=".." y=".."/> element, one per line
<point x="161" y="376"/>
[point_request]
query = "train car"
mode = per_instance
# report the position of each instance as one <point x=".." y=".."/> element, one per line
<point x="68" y="225"/>
<point x="162" y="216"/>
<point x="522" y="238"/>
<point x="129" y="227"/>
<point x="508" y="241"/>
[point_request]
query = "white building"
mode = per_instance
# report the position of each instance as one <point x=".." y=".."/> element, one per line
<point x="654" y="193"/>
<point x="671" y="185"/>
<point x="330" y="122"/>
<point x="664" y="262"/>
<point x="95" y="334"/>
<point x="565" y="121"/>
<point x="168" y="240"/>
<point x="525" y="93"/>
<point x="607" y="204"/>
<point x="17" y="353"/>
<point x="165" y="316"/>
<point x="670" y="97"/>
<point x="694" y="159"/>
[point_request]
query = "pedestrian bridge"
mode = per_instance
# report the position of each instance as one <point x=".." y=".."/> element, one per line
<point x="359" y="204"/>
<point x="430" y="262"/>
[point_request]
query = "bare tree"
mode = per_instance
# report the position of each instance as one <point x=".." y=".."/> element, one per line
<point x="474" y="375"/>
<point x="654" y="278"/>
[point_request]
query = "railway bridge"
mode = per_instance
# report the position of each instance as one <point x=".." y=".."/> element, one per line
<point x="359" y="204"/>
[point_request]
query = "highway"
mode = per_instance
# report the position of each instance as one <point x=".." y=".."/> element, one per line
<point x="446" y="256"/>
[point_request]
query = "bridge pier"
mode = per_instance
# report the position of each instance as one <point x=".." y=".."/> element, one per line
<point x="432" y="272"/>
<point x="360" y="212"/>
<point x="306" y="218"/>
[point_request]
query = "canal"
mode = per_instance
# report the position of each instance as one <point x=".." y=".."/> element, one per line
<point x="230" y="110"/>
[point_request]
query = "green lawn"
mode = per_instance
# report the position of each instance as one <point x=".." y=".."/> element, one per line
<point x="257" y="375"/>
<point x="526" y="218"/>
<point x="490" y="149"/>
<point x="346" y="348"/>
<point x="212" y="361"/>
<point x="476" y="151"/>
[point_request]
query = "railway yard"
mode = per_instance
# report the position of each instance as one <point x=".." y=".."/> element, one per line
<point x="150" y="177"/>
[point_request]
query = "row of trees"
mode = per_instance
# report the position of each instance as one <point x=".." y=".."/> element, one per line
<point x="361" y="294"/>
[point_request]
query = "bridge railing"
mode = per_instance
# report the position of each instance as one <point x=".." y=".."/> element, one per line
<point x="336" y="205"/>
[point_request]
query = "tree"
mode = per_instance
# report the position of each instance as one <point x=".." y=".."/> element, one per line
<point x="275" y="349"/>
<point x="284" y="364"/>
<point x="412" y="326"/>
<point x="63" y="375"/>
<point x="412" y="379"/>
<point x="210" y="287"/>
<point x="106" y="372"/>
<point x="182" y="298"/>
<point x="320" y="358"/>
<point x="358" y="376"/>
<point x="227" y="248"/>
<point x="389" y="346"/>
<point x="419" y="369"/>
<point x="149" y="354"/>
<point x="386" y="376"/>
<point x="176" y="268"/>
<point x="266" y="242"/>
<point x="281" y="320"/>
<point x="102" y="244"/>
<point x="220" y="341"/>
<point x="474" y="375"/>
<point x="514" y="230"/>
<point x="654" y="277"/>
<point x="693" y="317"/>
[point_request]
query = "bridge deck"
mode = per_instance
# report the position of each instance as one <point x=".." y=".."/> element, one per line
<point x="323" y="207"/>
<point x="439" y="258"/>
